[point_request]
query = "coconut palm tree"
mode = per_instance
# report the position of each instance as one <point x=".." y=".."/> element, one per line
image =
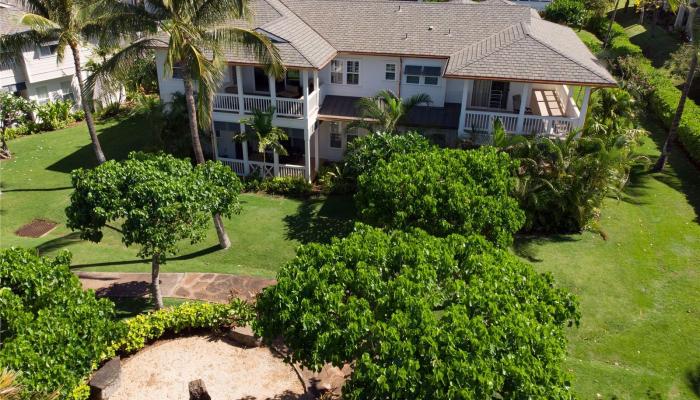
<point x="69" y="23"/>
<point x="263" y="132"/>
<point x="196" y="34"/>
<point x="385" y="110"/>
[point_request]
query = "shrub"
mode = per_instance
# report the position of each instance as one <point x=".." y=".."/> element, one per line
<point x="594" y="44"/>
<point x="333" y="180"/>
<point x="443" y="192"/>
<point x="78" y="115"/>
<point x="364" y="153"/>
<point x="569" y="12"/>
<point x="422" y="317"/>
<point x="287" y="186"/>
<point x="54" y="115"/>
<point x="145" y="328"/>
<point x="27" y="128"/>
<point x="52" y="330"/>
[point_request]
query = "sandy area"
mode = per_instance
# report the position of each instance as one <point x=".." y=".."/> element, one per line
<point x="162" y="372"/>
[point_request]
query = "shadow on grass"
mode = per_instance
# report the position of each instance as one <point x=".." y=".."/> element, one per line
<point x="39" y="190"/>
<point x="525" y="246"/>
<point x="59" y="243"/>
<point x="637" y="185"/>
<point x="321" y="219"/>
<point x="693" y="380"/>
<point x="116" y="139"/>
<point x="188" y="256"/>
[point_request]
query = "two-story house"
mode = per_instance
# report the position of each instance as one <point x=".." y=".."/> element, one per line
<point x="478" y="63"/>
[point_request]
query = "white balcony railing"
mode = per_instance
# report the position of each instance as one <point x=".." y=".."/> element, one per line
<point x="251" y="103"/>
<point x="482" y="122"/>
<point x="290" y="107"/>
<point x="293" y="108"/>
<point x="263" y="169"/>
<point x="226" y="102"/>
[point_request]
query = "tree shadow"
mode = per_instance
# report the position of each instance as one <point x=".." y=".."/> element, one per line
<point x="693" y="380"/>
<point x="321" y="219"/>
<point x="131" y="289"/>
<point x="637" y="185"/>
<point x="116" y="140"/>
<point x="55" y="189"/>
<point x="286" y="395"/>
<point x="526" y="246"/>
<point x="59" y="243"/>
<point x="183" y="257"/>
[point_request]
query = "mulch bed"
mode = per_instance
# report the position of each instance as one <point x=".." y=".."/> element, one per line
<point x="37" y="228"/>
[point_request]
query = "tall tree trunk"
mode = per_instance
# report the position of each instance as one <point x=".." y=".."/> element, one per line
<point x="612" y="20"/>
<point x="641" y="14"/>
<point x="673" y="130"/>
<point x="5" y="150"/>
<point x="224" y="241"/>
<point x="627" y="6"/>
<point x="155" y="282"/>
<point x="86" y="105"/>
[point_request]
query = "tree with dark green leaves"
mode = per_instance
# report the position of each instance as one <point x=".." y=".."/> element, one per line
<point x="385" y="110"/>
<point x="421" y="317"/>
<point x="160" y="201"/>
<point x="13" y="110"/>
<point x="51" y="330"/>
<point x="443" y="191"/>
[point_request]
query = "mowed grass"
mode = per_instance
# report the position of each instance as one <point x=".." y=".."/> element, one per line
<point x="36" y="184"/>
<point x="639" y="290"/>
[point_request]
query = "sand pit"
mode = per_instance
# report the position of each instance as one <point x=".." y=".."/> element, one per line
<point x="229" y="372"/>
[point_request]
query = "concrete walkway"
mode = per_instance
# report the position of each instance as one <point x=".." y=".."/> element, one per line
<point x="196" y="286"/>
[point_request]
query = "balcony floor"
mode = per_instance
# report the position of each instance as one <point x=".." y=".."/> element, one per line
<point x="342" y="107"/>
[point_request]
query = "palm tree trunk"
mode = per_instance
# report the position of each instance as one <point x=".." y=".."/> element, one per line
<point x="155" y="282"/>
<point x="86" y="105"/>
<point x="192" y="113"/>
<point x="612" y="20"/>
<point x="4" y="149"/>
<point x="673" y="130"/>
<point x="224" y="241"/>
<point x="641" y="15"/>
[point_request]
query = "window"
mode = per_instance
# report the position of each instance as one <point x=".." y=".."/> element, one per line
<point x="351" y="134"/>
<point x="67" y="91"/>
<point x="490" y="94"/>
<point x="336" y="71"/>
<point x="42" y="95"/>
<point x="430" y="80"/>
<point x="390" y="72"/>
<point x="293" y="78"/>
<point x="430" y="75"/>
<point x="178" y="71"/>
<point x="413" y="73"/>
<point x="47" y="50"/>
<point x="353" y="73"/>
<point x="336" y="140"/>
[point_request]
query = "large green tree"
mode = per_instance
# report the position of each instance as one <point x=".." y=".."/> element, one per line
<point x="196" y="34"/>
<point x="70" y="23"/>
<point x="51" y="329"/>
<point x="160" y="200"/>
<point x="13" y="110"/>
<point x="421" y="317"/>
<point x="385" y="110"/>
<point x="443" y="192"/>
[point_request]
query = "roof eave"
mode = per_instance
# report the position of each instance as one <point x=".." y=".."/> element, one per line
<point x="543" y="81"/>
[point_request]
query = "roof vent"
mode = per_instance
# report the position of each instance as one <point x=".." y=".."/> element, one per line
<point x="430" y="28"/>
<point x="405" y="37"/>
<point x="399" y="10"/>
<point x="449" y="31"/>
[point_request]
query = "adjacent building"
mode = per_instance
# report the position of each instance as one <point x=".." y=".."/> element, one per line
<point x="479" y="62"/>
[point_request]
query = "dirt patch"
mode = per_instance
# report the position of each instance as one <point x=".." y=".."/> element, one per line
<point x="36" y="229"/>
<point x="229" y="372"/>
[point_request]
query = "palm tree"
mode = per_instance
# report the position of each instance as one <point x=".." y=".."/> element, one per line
<point x="692" y="71"/>
<point x="264" y="132"/>
<point x="385" y="110"/>
<point x="69" y="23"/>
<point x="197" y="36"/>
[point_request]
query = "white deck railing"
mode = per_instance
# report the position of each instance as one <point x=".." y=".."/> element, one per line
<point x="226" y="102"/>
<point x="251" y="103"/>
<point x="265" y="170"/>
<point x="482" y="122"/>
<point x="290" y="107"/>
<point x="314" y="101"/>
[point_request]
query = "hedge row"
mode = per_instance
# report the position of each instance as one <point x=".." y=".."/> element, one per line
<point x="664" y="95"/>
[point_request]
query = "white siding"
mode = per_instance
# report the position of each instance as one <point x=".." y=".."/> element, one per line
<point x="372" y="77"/>
<point x="325" y="150"/>
<point x="40" y="69"/>
<point x="453" y="90"/>
<point x="167" y="86"/>
<point x="55" y="89"/>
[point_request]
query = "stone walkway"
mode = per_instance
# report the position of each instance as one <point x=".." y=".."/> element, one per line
<point x="195" y="286"/>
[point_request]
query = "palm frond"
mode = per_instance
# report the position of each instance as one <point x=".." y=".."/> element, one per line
<point x="238" y="39"/>
<point x="35" y="6"/>
<point x="39" y="23"/>
<point x="17" y="42"/>
<point x="415" y="100"/>
<point x="120" y="62"/>
<point x="216" y="12"/>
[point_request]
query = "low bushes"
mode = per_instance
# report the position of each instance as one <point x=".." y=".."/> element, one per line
<point x="54" y="115"/>
<point x="568" y="12"/>
<point x="364" y="153"/>
<point x="443" y="192"/>
<point x="291" y="186"/>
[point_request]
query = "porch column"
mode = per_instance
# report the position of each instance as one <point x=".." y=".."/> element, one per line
<point x="244" y="145"/>
<point x="317" y="84"/>
<point x="584" y="107"/>
<point x="466" y="90"/>
<point x="316" y="163"/>
<point x="524" y="100"/>
<point x="239" y="89"/>
<point x="273" y="92"/>
<point x="307" y="151"/>
<point x="305" y="92"/>
<point x="276" y="163"/>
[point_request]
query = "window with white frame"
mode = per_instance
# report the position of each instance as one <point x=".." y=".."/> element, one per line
<point x="67" y="91"/>
<point x="47" y="50"/>
<point x="42" y="94"/>
<point x="390" y="72"/>
<point x="431" y="75"/>
<point x="336" y="139"/>
<point x="351" y="134"/>
<point x="413" y="73"/>
<point x="337" y="71"/>
<point x="178" y="71"/>
<point x="425" y="75"/>
<point x="352" y="73"/>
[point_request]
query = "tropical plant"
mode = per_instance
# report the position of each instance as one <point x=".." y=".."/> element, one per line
<point x="421" y="317"/>
<point x="161" y="200"/>
<point x="611" y="111"/>
<point x="263" y="132"/>
<point x="11" y="389"/>
<point x="198" y="34"/>
<point x="569" y="12"/>
<point x="443" y="191"/>
<point x="385" y="110"/>
<point x="14" y="110"/>
<point x="70" y="23"/>
<point x="52" y="330"/>
<point x="54" y="115"/>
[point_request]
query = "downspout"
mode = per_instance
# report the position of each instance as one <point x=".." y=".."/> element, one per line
<point x="400" y="75"/>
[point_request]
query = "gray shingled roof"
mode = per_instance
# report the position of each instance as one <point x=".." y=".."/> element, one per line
<point x="10" y="21"/>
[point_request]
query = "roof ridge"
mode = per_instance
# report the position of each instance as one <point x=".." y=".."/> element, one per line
<point x="540" y="41"/>
<point x="495" y="48"/>
<point x="309" y="26"/>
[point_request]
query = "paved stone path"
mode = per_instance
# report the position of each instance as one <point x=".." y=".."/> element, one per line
<point x="196" y="286"/>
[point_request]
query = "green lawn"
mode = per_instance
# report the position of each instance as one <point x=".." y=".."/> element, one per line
<point x="36" y="184"/>
<point x="639" y="290"/>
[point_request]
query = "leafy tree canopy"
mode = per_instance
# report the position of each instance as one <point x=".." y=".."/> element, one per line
<point x="51" y="330"/>
<point x="443" y="192"/>
<point x="422" y="317"/>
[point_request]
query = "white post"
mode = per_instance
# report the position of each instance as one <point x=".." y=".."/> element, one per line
<point x="463" y="111"/>
<point x="584" y="107"/>
<point x="244" y="145"/>
<point x="307" y="152"/>
<point x="308" y="125"/>
<point x="524" y="99"/>
<point x="317" y="162"/>
<point x="305" y="92"/>
<point x="239" y="89"/>
<point x="273" y="92"/>
<point x="276" y="163"/>
<point x="317" y="87"/>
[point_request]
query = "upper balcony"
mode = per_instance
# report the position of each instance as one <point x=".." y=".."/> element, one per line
<point x="246" y="89"/>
